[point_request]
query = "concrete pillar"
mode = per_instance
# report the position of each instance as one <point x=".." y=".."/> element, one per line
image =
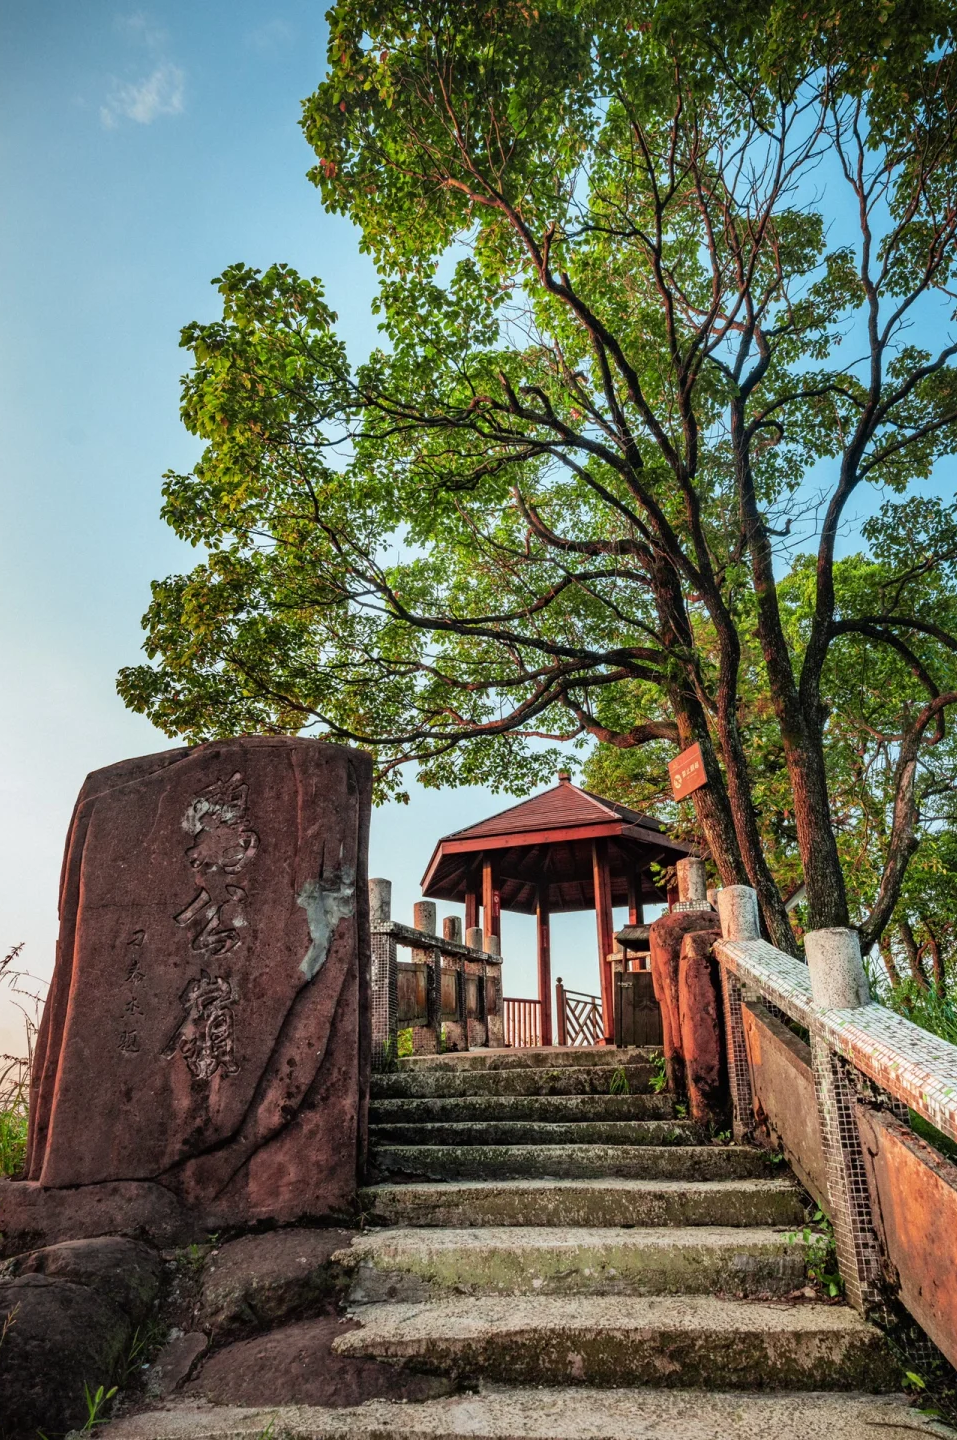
<point x="384" y="1001"/>
<point x="424" y="916"/>
<point x="838" y="981"/>
<point x="380" y="902"/>
<point x="692" y="879"/>
<point x="452" y="929"/>
<point x="493" y="945"/>
<point x="474" y="938"/>
<point x="738" y="913"/>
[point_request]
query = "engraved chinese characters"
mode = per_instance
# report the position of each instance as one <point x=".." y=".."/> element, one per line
<point x="223" y="845"/>
<point x="210" y="933"/>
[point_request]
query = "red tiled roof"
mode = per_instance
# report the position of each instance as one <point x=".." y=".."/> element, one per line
<point x="564" y="805"/>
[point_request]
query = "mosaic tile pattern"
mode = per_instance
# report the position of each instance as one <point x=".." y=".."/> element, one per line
<point x="384" y="1001"/>
<point x="918" y="1069"/>
<point x="739" y="1073"/>
<point x="858" y="1254"/>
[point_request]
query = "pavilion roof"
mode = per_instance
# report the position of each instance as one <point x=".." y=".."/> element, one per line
<point x="548" y="839"/>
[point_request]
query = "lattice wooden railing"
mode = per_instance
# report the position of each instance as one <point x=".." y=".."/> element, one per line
<point x="523" y="1023"/>
<point x="579" y="1017"/>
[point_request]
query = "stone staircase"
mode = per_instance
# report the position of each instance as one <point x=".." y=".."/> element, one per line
<point x="580" y="1263"/>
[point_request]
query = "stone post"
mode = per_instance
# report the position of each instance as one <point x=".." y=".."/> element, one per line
<point x="474" y="938"/>
<point x="427" y="1039"/>
<point x="838" y="982"/>
<point x="384" y="1000"/>
<point x="692" y="880"/>
<point x="738" y="913"/>
<point x="457" y="1033"/>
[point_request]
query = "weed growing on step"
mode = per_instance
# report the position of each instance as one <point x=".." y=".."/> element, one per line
<point x="9" y="1320"/>
<point x="618" y="1085"/>
<point x="405" y="1043"/>
<point x="659" y="1076"/>
<point x="821" y="1254"/>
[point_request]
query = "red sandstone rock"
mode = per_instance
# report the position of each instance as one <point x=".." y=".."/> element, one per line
<point x="702" y="1045"/>
<point x="665" y="937"/>
<point x="258" y="1280"/>
<point x="205" y="1029"/>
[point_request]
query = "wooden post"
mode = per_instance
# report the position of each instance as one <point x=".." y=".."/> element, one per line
<point x="606" y="935"/>
<point x="560" y="1011"/>
<point x="491" y="900"/>
<point x="471" y="905"/>
<point x="636" y="914"/>
<point x="544" y="963"/>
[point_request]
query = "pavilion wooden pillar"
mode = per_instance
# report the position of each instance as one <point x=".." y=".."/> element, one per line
<point x="606" y="934"/>
<point x="636" y="914"/>
<point x="472" y="902"/>
<point x="491" y="899"/>
<point x="544" y="962"/>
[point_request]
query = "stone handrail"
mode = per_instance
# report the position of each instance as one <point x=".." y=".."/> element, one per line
<point x="919" y="1069"/>
<point x="414" y="939"/>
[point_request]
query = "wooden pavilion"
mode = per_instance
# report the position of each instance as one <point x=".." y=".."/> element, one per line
<point x="563" y="850"/>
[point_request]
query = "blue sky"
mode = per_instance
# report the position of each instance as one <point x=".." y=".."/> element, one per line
<point x="141" y="151"/>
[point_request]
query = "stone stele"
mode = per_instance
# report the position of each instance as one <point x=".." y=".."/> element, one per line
<point x="205" y="1030"/>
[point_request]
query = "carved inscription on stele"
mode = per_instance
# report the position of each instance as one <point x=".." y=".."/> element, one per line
<point x="222" y="844"/>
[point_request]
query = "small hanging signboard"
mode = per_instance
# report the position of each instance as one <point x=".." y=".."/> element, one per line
<point x="687" y="772"/>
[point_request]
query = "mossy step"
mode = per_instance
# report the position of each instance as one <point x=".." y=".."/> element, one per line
<point x="605" y="1202"/>
<point x="565" y="1161"/>
<point x="537" y="1260"/>
<point x="542" y="1058"/>
<point x="538" y="1132"/>
<point x="667" y="1341"/>
<point x="551" y="1080"/>
<point x="566" y="1413"/>
<point x="458" y="1109"/>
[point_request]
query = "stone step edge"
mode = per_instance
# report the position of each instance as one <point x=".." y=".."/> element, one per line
<point x="552" y="1413"/>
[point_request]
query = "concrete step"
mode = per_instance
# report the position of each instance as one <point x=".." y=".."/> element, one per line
<point x="668" y="1341"/>
<point x="518" y="1162"/>
<point x="546" y="1108"/>
<point x="605" y="1202"/>
<point x="414" y="1265"/>
<point x="554" y="1080"/>
<point x="545" y="1058"/>
<point x="567" y="1413"/>
<point x="537" y="1132"/>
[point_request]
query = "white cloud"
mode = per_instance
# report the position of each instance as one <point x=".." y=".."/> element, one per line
<point x="140" y="29"/>
<point x="274" y="35"/>
<point x="161" y="93"/>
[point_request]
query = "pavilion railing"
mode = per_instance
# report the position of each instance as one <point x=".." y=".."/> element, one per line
<point x="447" y="995"/>
<point x="578" y="1016"/>
<point x="523" y="1022"/>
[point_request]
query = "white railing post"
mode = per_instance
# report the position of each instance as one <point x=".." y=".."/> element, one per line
<point x="384" y="980"/>
<point x="738" y="913"/>
<point x="838" y="982"/>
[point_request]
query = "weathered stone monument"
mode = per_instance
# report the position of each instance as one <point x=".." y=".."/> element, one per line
<point x="204" y="1049"/>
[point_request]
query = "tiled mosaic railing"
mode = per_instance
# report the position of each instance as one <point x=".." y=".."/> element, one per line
<point x="916" y="1068"/>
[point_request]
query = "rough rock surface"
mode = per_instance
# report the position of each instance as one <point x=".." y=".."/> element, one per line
<point x="203" y="1026"/>
<point x="702" y="1030"/>
<point x="259" y="1279"/>
<point x="296" y="1365"/>
<point x="665" y="939"/>
<point x="31" y="1215"/>
<point x="71" y="1311"/>
<point x="174" y="1362"/>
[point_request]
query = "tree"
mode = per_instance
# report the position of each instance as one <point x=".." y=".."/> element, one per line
<point x="624" y="346"/>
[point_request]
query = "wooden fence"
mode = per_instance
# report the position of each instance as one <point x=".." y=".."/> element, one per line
<point x="523" y="1023"/>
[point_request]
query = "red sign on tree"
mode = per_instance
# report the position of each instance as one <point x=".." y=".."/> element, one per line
<point x="687" y="772"/>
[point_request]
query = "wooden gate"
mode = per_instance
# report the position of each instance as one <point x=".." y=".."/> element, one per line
<point x="579" y="1017"/>
<point x="637" y="1012"/>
